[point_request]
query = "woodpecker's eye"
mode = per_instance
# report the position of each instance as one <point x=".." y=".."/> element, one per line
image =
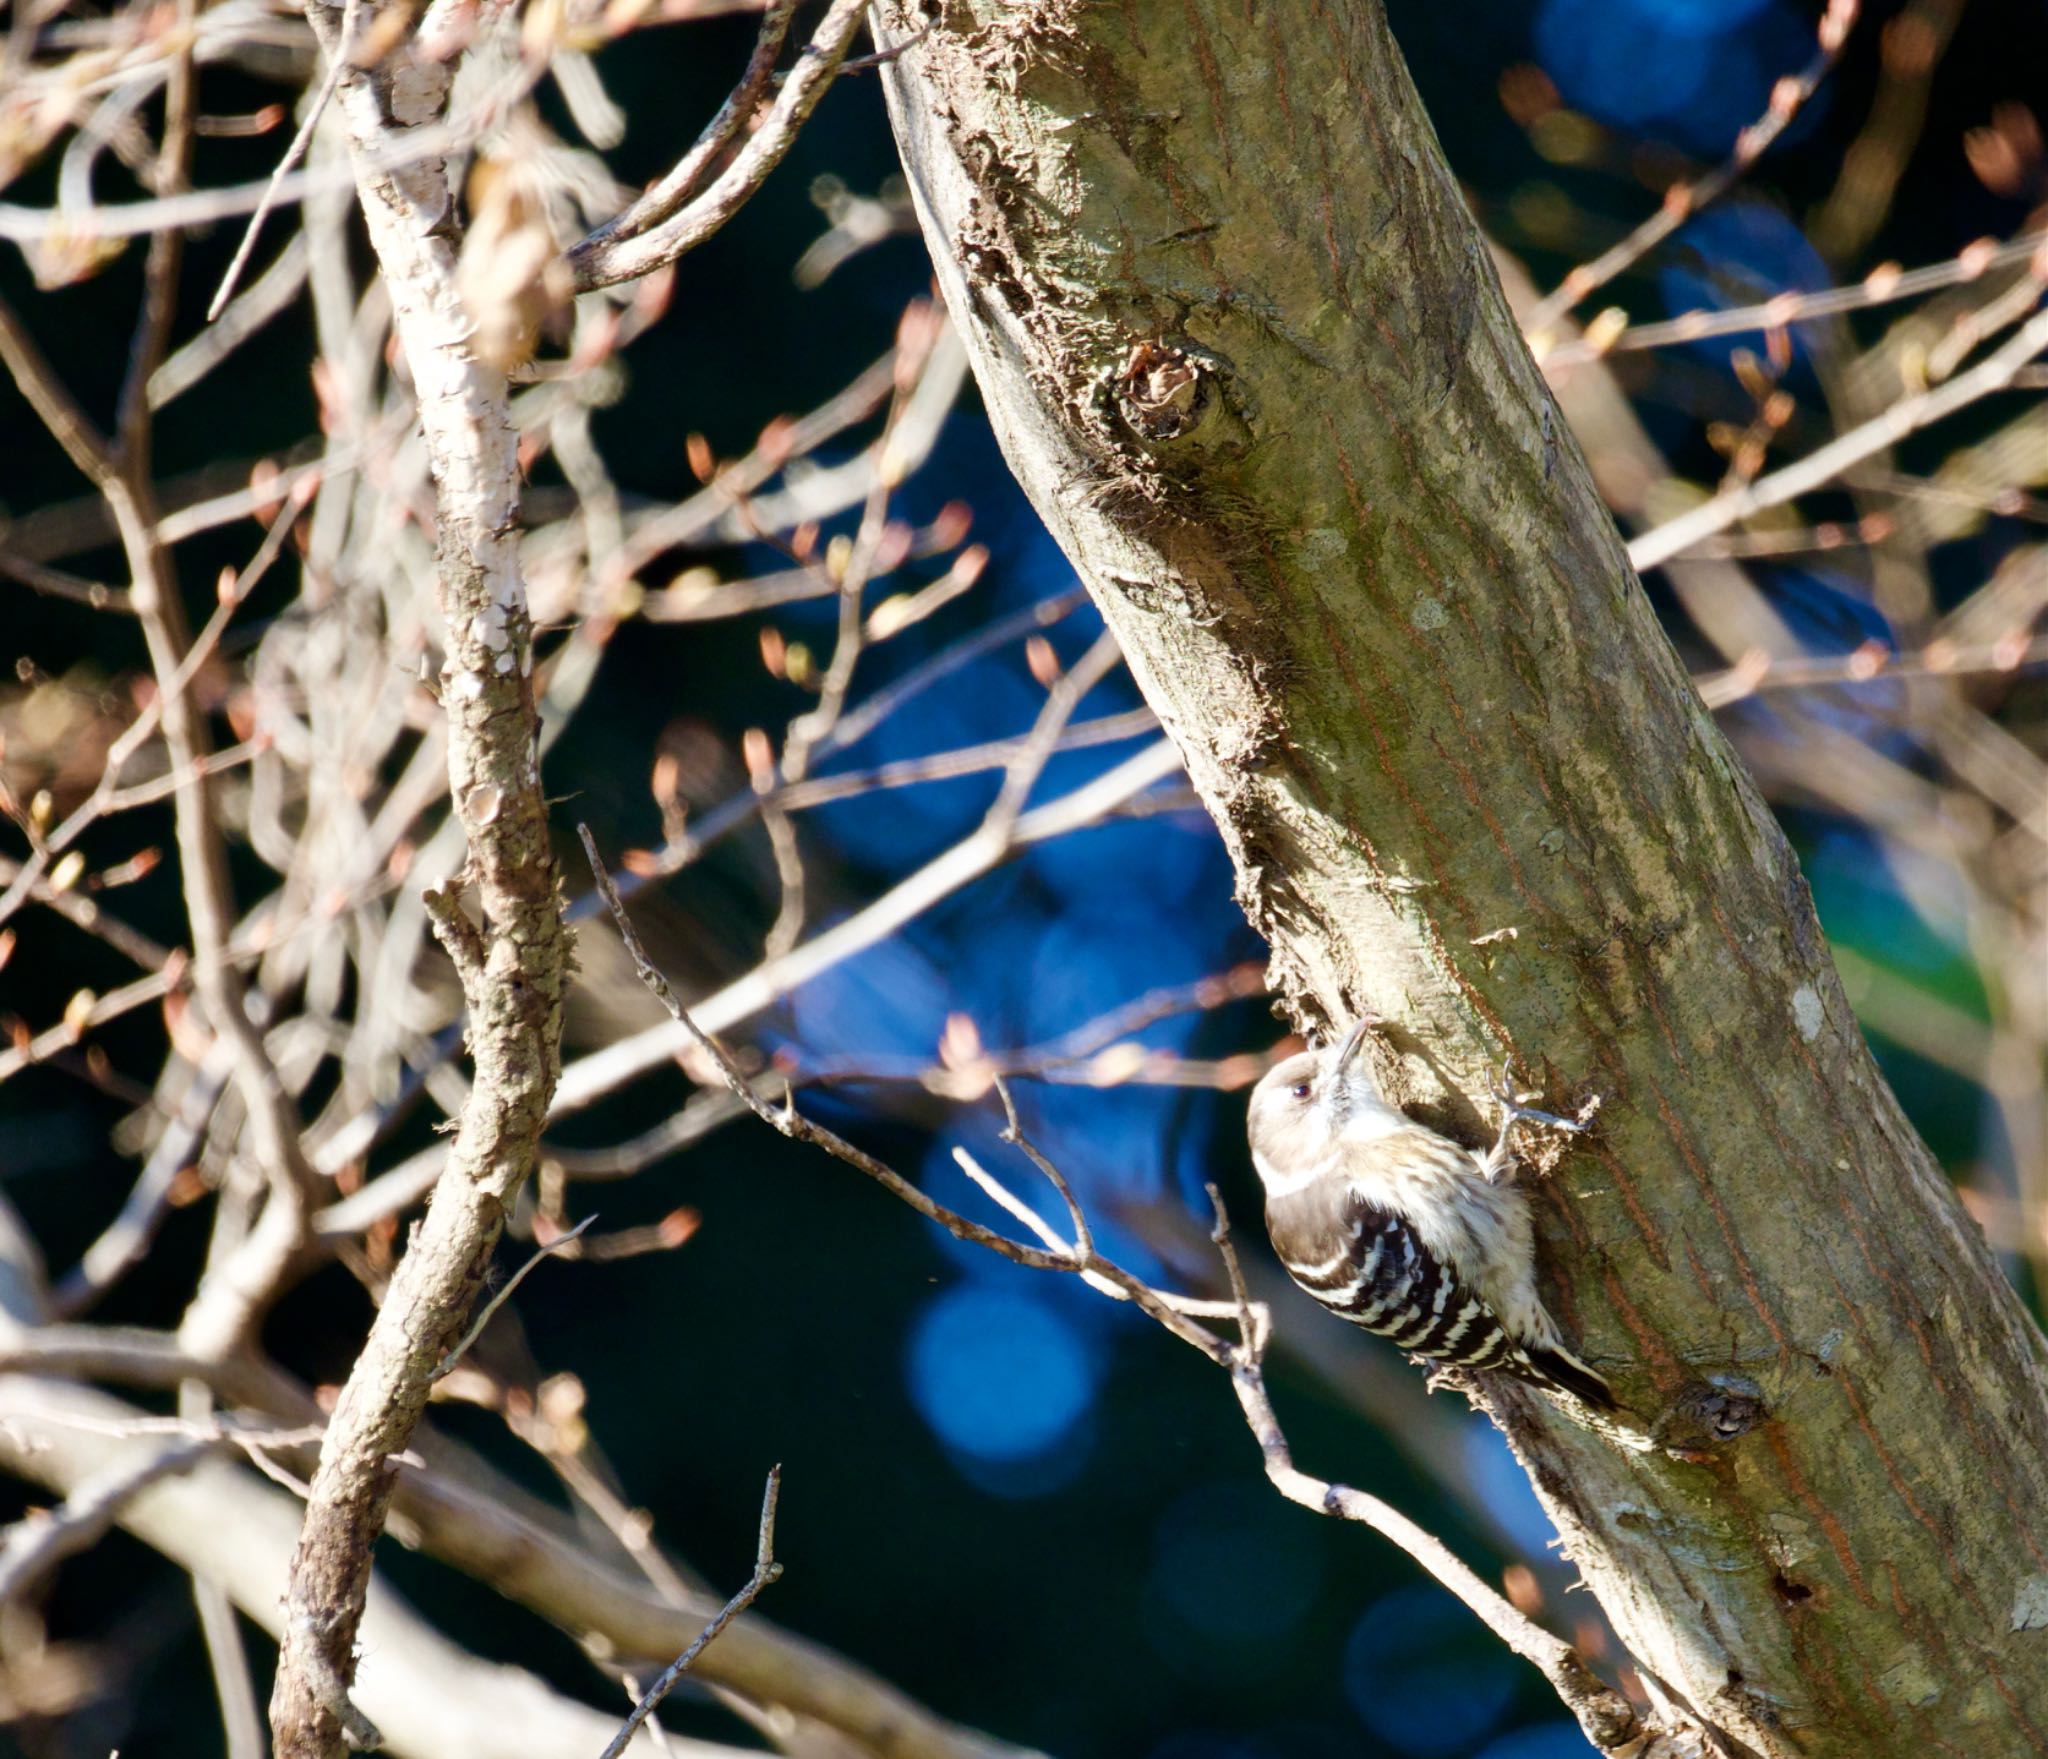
<point x="1300" y="1090"/>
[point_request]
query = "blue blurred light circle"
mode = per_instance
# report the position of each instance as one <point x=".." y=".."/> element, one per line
<point x="1613" y="59"/>
<point x="1690" y="71"/>
<point x="1424" y="1675"/>
<point x="1695" y="18"/>
<point x="998" y="1374"/>
<point x="1552" y="1740"/>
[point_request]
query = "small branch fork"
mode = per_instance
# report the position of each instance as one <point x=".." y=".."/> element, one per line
<point x="1607" y="1718"/>
<point x="766" y="1570"/>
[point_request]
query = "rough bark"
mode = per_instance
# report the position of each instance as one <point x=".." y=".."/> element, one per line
<point x="515" y="967"/>
<point x="1246" y="353"/>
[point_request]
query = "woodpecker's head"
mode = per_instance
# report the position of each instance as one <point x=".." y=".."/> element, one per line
<point x="1300" y="1110"/>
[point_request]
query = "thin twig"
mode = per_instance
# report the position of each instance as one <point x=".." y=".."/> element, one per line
<point x="1886" y="285"/>
<point x="601" y="263"/>
<point x="1683" y="200"/>
<point x="1941" y="659"/>
<point x="1021" y="774"/>
<point x="1994" y="373"/>
<point x="164" y="263"/>
<point x="964" y="760"/>
<point x="766" y="1570"/>
<point x="1013" y="1133"/>
<point x="1605" y="1716"/>
<point x="598" y="1073"/>
<point x="483" y="1317"/>
<point x="336" y="62"/>
<point x="787" y="1120"/>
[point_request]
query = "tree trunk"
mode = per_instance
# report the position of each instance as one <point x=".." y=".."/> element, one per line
<point x="1246" y="353"/>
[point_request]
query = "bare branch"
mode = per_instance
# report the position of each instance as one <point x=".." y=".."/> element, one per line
<point x="483" y="1317"/>
<point x="1885" y="285"/>
<point x="1604" y="1713"/>
<point x="39" y="1542"/>
<point x="980" y="853"/>
<point x="687" y="175"/>
<point x="428" y="1696"/>
<point x="602" y="263"/>
<point x="1994" y="373"/>
<point x="766" y="1569"/>
<point x="514" y="999"/>
<point x="292" y="155"/>
<point x="1683" y="200"/>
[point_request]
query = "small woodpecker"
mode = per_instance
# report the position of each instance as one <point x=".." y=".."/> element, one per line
<point x="1401" y="1230"/>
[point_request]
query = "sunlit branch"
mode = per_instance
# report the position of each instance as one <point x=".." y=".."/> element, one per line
<point x="591" y="1077"/>
<point x="1994" y="373"/>
<point x="1885" y="285"/>
<point x="1683" y="200"/>
<point x="601" y="262"/>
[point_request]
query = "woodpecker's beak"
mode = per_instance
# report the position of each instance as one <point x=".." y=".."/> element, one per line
<point x="1348" y="1050"/>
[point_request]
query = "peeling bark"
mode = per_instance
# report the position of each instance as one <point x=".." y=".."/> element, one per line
<point x="1243" y="347"/>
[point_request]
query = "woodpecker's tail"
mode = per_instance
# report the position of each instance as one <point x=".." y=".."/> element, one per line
<point x="1560" y="1371"/>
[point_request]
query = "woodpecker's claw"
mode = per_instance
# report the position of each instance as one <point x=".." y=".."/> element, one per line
<point x="1500" y="1162"/>
<point x="1517" y="1112"/>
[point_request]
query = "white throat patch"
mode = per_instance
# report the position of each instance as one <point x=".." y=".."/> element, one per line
<point x="1370" y="1123"/>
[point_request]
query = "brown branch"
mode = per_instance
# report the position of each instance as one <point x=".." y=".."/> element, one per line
<point x="83" y="913"/>
<point x="233" y="1297"/>
<point x="165" y="260"/>
<point x="504" y="1294"/>
<point x="766" y="1570"/>
<point x="786" y="1120"/>
<point x="1940" y="659"/>
<point x="599" y="262"/>
<point x="46" y="394"/>
<point x="55" y="583"/>
<point x="1603" y="1713"/>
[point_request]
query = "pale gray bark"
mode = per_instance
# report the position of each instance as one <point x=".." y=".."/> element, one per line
<point x="219" y="1520"/>
<point x="514" y="966"/>
<point x="1245" y="351"/>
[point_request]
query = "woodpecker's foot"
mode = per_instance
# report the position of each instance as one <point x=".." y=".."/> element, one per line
<point x="1513" y="1112"/>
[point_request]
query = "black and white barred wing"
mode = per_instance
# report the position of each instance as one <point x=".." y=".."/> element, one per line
<point x="1384" y="1279"/>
